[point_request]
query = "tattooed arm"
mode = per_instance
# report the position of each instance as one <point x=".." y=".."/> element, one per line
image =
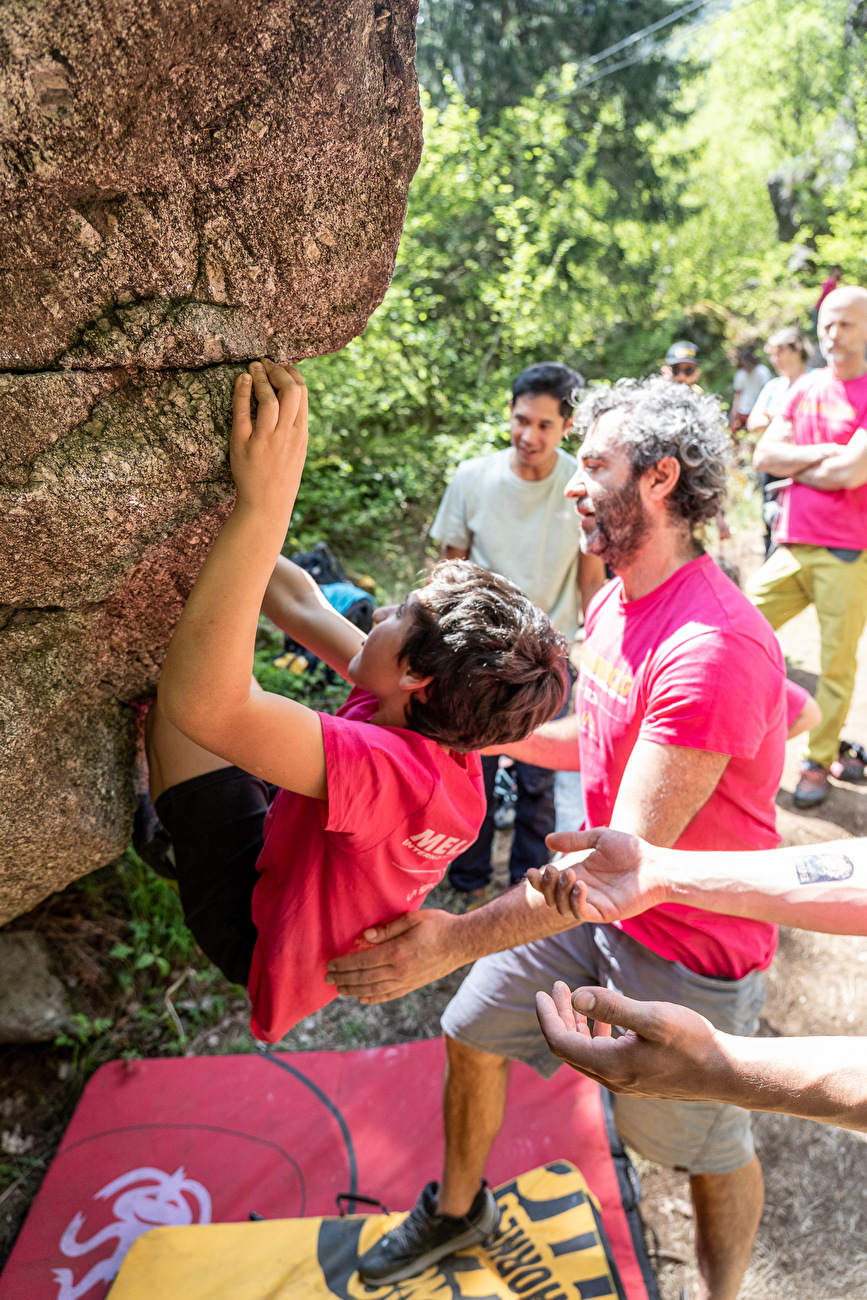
<point x="608" y="876"/>
<point x="669" y="1051"/>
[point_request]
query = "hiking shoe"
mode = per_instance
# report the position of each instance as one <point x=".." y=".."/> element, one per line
<point x="425" y="1237"/>
<point x="813" y="785"/>
<point x="850" y="762"/>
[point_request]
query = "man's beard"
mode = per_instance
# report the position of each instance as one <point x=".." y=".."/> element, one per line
<point x="621" y="525"/>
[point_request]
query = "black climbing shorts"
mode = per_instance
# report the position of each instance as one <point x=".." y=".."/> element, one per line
<point x="216" y="822"/>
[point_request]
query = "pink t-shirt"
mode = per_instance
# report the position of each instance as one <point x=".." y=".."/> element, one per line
<point x="690" y="664"/>
<point x="825" y="409"/>
<point x="399" y="810"/>
<point x="796" y="698"/>
<point x="828" y="286"/>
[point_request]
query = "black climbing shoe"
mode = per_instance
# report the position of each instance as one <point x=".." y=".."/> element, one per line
<point x="425" y="1237"/>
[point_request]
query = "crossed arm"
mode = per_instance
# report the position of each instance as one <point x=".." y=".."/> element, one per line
<point x="827" y="466"/>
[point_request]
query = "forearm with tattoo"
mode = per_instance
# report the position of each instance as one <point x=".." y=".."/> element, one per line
<point x="820" y="888"/>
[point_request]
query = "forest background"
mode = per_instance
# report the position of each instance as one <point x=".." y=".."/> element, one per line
<point x="586" y="195"/>
<point x="590" y="207"/>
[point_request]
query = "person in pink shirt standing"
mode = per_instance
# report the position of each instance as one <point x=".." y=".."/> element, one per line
<point x="819" y="441"/>
<point x="828" y="286"/>
<point x="669" y="646"/>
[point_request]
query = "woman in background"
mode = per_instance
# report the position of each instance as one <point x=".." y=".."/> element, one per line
<point x="789" y="353"/>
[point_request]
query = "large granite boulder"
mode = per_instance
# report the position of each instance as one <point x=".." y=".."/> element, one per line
<point x="182" y="188"/>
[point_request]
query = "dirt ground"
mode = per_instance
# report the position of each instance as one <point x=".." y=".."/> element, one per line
<point x="812" y="1244"/>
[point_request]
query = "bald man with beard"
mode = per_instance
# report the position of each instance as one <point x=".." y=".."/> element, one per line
<point x="819" y="443"/>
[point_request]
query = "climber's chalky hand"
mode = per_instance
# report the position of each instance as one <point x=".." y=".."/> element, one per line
<point x="267" y="453"/>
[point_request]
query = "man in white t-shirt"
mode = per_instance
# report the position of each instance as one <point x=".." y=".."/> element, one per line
<point x="507" y="512"/>
<point x="750" y="378"/>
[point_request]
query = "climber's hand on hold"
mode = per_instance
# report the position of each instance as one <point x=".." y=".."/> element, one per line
<point x="205" y="690"/>
<point x="267" y="452"/>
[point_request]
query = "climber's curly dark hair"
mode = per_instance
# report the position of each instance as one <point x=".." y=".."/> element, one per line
<point x="497" y="664"/>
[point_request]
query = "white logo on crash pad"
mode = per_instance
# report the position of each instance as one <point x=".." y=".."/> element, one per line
<point x="149" y="1199"/>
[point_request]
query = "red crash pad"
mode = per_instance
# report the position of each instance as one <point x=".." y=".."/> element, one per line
<point x="214" y="1139"/>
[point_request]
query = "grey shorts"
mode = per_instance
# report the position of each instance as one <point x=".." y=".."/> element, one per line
<point x="494" y="1011"/>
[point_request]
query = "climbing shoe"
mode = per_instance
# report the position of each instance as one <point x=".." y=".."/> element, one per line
<point x="425" y="1237"/>
<point x="850" y="763"/>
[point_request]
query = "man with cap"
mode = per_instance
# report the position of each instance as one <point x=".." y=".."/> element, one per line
<point x="682" y="364"/>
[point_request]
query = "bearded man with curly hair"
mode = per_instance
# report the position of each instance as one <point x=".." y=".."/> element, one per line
<point x="679" y="732"/>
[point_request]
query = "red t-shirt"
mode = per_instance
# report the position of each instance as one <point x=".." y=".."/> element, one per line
<point x="399" y="810"/>
<point x="824" y="409"/>
<point x="692" y="664"/>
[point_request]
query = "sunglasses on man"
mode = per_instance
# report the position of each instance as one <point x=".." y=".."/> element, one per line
<point x="685" y="368"/>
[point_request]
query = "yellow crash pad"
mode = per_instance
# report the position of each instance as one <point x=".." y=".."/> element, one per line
<point x="549" y="1247"/>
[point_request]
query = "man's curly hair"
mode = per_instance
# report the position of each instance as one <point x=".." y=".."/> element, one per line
<point x="666" y="419"/>
<point x="497" y="664"/>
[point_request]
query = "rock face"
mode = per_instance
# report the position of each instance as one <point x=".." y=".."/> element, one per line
<point x="34" y="1005"/>
<point x="182" y="188"/>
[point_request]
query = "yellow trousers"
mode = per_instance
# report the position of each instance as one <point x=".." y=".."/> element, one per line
<point x="797" y="576"/>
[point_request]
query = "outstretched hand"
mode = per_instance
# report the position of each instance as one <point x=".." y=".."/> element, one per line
<point x="267" y="454"/>
<point x="666" y="1050"/>
<point x="604" y="876"/>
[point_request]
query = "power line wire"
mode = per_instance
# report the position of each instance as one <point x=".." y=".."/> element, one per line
<point x="658" y="45"/>
<point x="645" y="31"/>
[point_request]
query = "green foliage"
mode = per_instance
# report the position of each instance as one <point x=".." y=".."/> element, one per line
<point x="777" y="116"/>
<point x="168" y="989"/>
<point x="353" y="1031"/>
<point x="526" y="240"/>
<point x="844" y="239"/>
<point x="84" y="1038"/>
<point x="159" y="939"/>
<point x="314" y="687"/>
<point x="501" y="55"/>
<point x="503" y="263"/>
